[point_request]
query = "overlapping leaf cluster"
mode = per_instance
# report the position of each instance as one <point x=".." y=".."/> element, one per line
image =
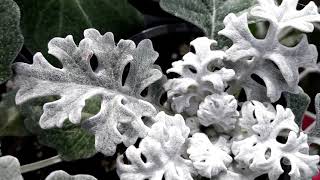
<point x="217" y="131"/>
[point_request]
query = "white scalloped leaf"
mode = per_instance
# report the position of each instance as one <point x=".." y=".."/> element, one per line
<point x="10" y="168"/>
<point x="261" y="151"/>
<point x="61" y="175"/>
<point x="277" y="65"/>
<point x="199" y="77"/>
<point x="162" y="150"/>
<point x="287" y="15"/>
<point x="207" y="158"/>
<point x="119" y="119"/>
<point x="219" y="110"/>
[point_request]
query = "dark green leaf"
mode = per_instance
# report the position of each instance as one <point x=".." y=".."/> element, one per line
<point x="315" y="132"/>
<point x="44" y="19"/>
<point x="11" y="39"/>
<point x="71" y="141"/>
<point x="206" y="14"/>
<point x="11" y="121"/>
<point x="298" y="103"/>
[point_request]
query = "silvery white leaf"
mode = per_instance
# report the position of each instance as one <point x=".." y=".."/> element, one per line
<point x="219" y="110"/>
<point x="159" y="154"/>
<point x="207" y="158"/>
<point x="199" y="77"/>
<point x="277" y="65"/>
<point x="261" y="151"/>
<point x="287" y="15"/>
<point x="61" y="175"/>
<point x="10" y="168"/>
<point x="119" y="119"/>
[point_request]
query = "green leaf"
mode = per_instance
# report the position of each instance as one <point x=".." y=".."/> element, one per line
<point x="11" y="39"/>
<point x="298" y="103"/>
<point x="11" y="121"/>
<point x="43" y="20"/>
<point x="71" y="141"/>
<point x="315" y="132"/>
<point x="206" y="14"/>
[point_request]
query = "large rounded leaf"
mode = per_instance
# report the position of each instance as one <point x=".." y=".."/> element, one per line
<point x="11" y="39"/>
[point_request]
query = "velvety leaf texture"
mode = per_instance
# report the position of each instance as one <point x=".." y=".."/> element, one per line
<point x="71" y="141"/>
<point x="299" y="104"/>
<point x="200" y="75"/>
<point x="207" y="158"/>
<point x="206" y="14"/>
<point x="11" y="39"/>
<point x="162" y="149"/>
<point x="315" y="132"/>
<point x="61" y="175"/>
<point x="44" y="20"/>
<point x="262" y="152"/>
<point x="120" y="117"/>
<point x="275" y="64"/>
<point x="10" y="168"/>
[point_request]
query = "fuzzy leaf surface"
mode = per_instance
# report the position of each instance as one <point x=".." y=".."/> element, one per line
<point x="262" y="152"/>
<point x="119" y="119"/>
<point x="162" y="150"/>
<point x="315" y="132"/>
<point x="11" y="39"/>
<point x="10" y="168"/>
<point x="299" y="104"/>
<point x="43" y="20"/>
<point x="207" y="14"/>
<point x="219" y="110"/>
<point x="286" y="14"/>
<point x="275" y="64"/>
<point x="200" y="76"/>
<point x="61" y="175"/>
<point x="207" y="158"/>
<point x="71" y="141"/>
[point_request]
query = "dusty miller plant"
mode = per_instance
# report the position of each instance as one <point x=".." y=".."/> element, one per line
<point x="202" y="130"/>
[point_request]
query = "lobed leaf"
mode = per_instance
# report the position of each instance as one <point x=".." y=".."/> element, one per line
<point x="200" y="76"/>
<point x="261" y="151"/>
<point x="162" y="150"/>
<point x="219" y="110"/>
<point x="209" y="159"/>
<point x="122" y="108"/>
<point x="277" y="65"/>
<point x="71" y="141"/>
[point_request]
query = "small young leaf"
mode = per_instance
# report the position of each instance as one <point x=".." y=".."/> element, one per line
<point x="160" y="154"/>
<point x="11" y="39"/>
<point x="206" y="14"/>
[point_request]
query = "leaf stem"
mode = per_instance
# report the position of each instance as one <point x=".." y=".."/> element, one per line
<point x="41" y="164"/>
